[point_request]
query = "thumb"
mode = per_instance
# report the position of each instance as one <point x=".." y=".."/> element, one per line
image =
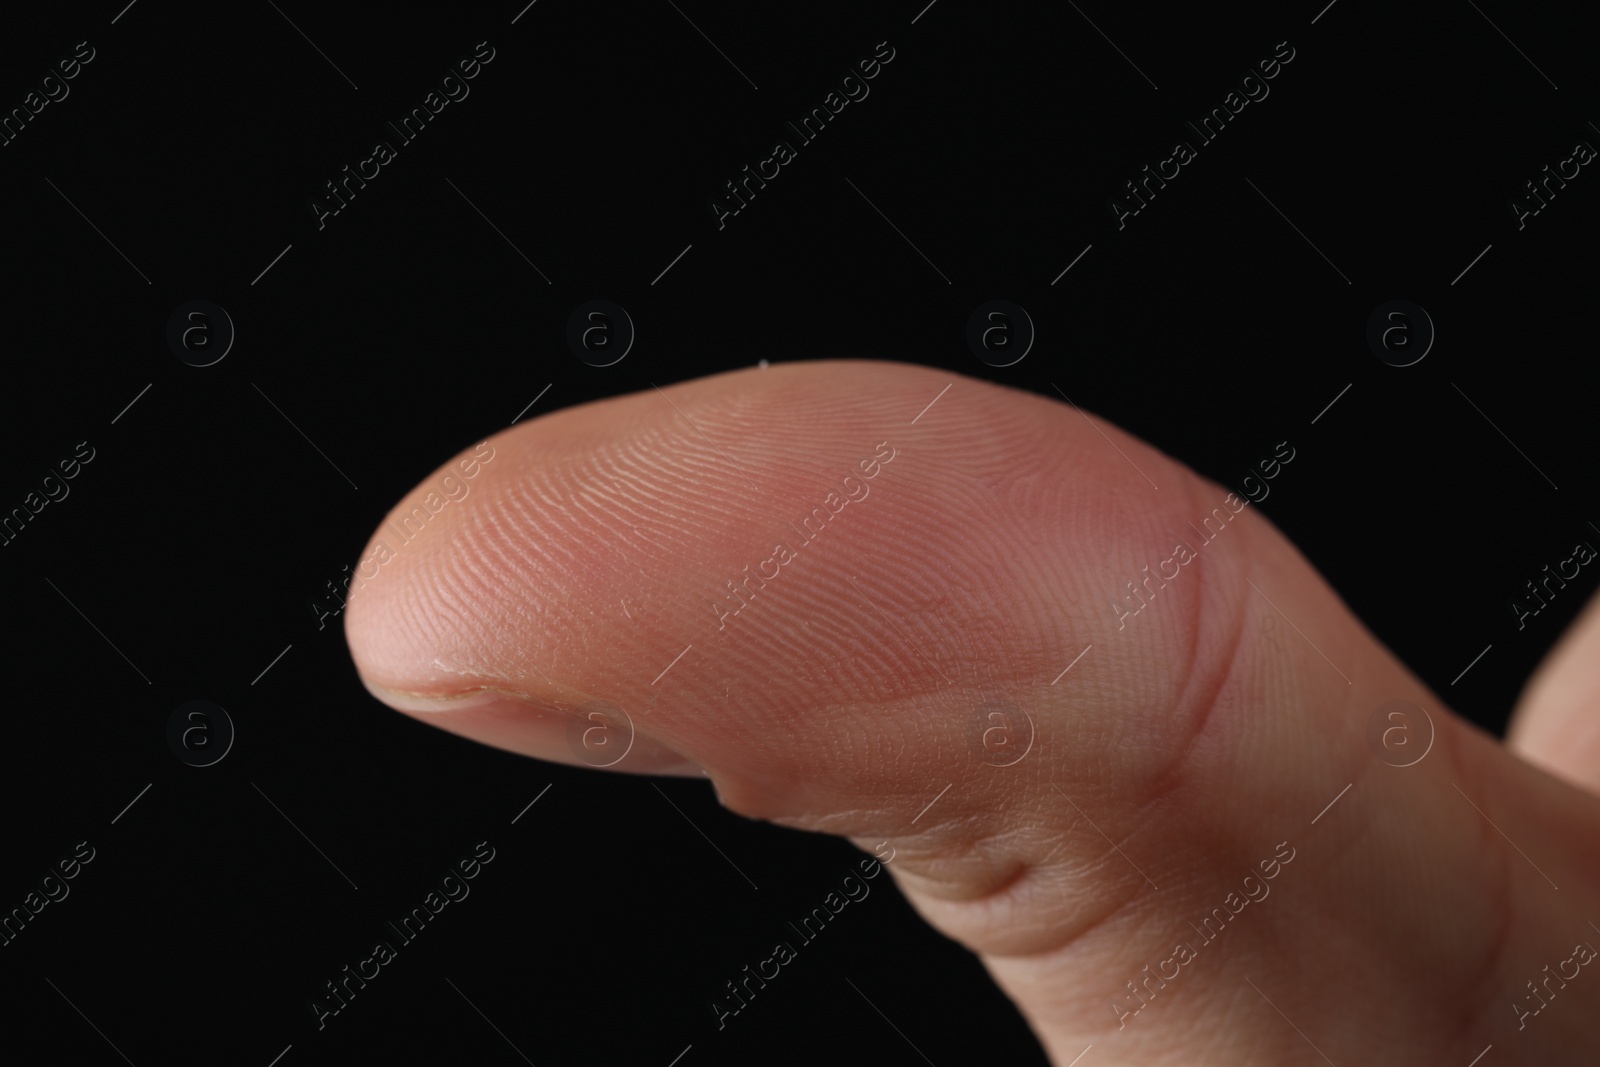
<point x="1088" y="697"/>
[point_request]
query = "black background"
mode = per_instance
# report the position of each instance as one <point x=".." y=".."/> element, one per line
<point x="190" y="549"/>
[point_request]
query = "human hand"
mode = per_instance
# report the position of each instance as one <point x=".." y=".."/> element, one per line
<point x="1166" y="834"/>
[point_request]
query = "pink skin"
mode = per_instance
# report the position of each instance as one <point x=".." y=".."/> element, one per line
<point x="590" y="561"/>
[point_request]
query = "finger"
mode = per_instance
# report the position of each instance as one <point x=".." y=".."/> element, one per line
<point x="1557" y="722"/>
<point x="821" y="583"/>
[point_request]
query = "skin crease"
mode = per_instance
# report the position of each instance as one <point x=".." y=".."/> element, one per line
<point x="1175" y="756"/>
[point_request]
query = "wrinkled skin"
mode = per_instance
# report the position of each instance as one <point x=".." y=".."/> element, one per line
<point x="1184" y="754"/>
